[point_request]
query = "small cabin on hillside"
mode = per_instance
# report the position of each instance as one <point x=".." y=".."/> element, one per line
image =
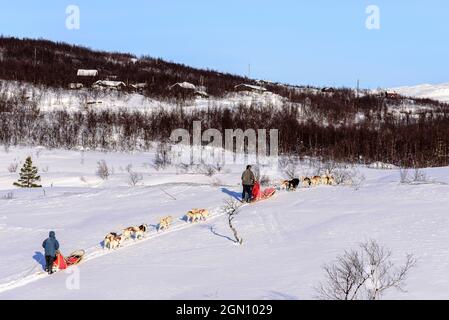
<point x="185" y="86"/>
<point x="138" y="87"/>
<point x="391" y="95"/>
<point x="109" y="85"/>
<point x="187" y="90"/>
<point x="328" y="90"/>
<point x="249" y="88"/>
<point x="266" y="83"/>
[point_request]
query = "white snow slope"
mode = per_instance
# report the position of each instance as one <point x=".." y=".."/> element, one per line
<point x="287" y="239"/>
<point x="438" y="92"/>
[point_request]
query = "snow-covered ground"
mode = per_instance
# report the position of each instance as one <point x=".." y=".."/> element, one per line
<point x="438" y="92"/>
<point x="287" y="239"/>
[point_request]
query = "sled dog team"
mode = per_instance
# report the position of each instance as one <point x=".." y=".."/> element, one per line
<point x="114" y="240"/>
<point x="293" y="184"/>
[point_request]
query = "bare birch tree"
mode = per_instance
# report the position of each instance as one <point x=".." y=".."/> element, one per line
<point x="364" y="274"/>
<point x="231" y="208"/>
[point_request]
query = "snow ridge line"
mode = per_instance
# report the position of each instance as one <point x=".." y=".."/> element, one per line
<point x="96" y="252"/>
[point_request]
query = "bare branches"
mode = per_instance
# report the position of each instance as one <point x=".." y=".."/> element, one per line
<point x="163" y="157"/>
<point x="364" y="274"/>
<point x="133" y="177"/>
<point x="231" y="208"/>
<point x="103" y="171"/>
<point x="418" y="176"/>
<point x="12" y="168"/>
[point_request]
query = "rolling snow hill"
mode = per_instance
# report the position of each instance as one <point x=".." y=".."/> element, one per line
<point x="439" y="92"/>
<point x="287" y="239"/>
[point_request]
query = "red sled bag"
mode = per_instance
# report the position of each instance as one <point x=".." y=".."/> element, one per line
<point x="59" y="263"/>
<point x="62" y="263"/>
<point x="258" y="194"/>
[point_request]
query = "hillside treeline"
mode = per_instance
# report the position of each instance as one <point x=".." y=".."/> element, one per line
<point x="411" y="141"/>
<point x="55" y="64"/>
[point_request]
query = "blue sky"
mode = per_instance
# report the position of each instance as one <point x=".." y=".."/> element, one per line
<point x="301" y="42"/>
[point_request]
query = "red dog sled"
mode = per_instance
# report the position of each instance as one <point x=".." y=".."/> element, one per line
<point x="62" y="263"/>
<point x="259" y="195"/>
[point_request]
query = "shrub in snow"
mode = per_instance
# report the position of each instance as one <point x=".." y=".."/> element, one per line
<point x="182" y="168"/>
<point x="12" y="168"/>
<point x="8" y="196"/>
<point x="163" y="158"/>
<point x="231" y="208"/>
<point x="364" y="274"/>
<point x="28" y="176"/>
<point x="133" y="177"/>
<point x="403" y="173"/>
<point x="349" y="177"/>
<point x="382" y="165"/>
<point x="418" y="176"/>
<point x="103" y="171"/>
<point x="208" y="170"/>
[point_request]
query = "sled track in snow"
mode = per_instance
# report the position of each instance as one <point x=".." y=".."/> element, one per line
<point x="35" y="273"/>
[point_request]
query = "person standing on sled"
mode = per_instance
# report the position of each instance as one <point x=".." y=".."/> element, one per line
<point x="248" y="180"/>
<point x="51" y="246"/>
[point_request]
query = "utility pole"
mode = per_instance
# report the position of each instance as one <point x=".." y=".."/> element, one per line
<point x="358" y="87"/>
<point x="249" y="71"/>
<point x="35" y="63"/>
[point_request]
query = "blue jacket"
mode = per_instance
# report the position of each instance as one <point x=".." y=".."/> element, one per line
<point x="51" y="245"/>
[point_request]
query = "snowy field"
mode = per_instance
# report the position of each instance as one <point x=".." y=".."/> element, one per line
<point x="287" y="239"/>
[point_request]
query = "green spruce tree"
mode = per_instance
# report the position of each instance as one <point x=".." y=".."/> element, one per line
<point x="28" y="176"/>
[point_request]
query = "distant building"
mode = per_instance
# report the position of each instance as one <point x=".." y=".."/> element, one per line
<point x="266" y="82"/>
<point x="87" y="73"/>
<point x="250" y="88"/>
<point x="109" y="85"/>
<point x="391" y="94"/>
<point x="138" y="87"/>
<point x="186" y="89"/>
<point x="183" y="86"/>
<point x="201" y="94"/>
<point x="328" y="90"/>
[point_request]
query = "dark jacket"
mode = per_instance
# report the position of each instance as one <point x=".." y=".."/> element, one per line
<point x="51" y="245"/>
<point x="248" y="178"/>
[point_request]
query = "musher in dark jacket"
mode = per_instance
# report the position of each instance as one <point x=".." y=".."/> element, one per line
<point x="51" y="246"/>
<point x="248" y="180"/>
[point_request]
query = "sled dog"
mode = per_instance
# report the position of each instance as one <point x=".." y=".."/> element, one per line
<point x="135" y="232"/>
<point x="291" y="185"/>
<point x="328" y="180"/>
<point x="140" y="231"/>
<point x="112" y="241"/>
<point x="306" y="181"/>
<point x="316" y="180"/>
<point x="128" y="233"/>
<point x="204" y="213"/>
<point x="195" y="215"/>
<point x="164" y="223"/>
<point x="108" y="239"/>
